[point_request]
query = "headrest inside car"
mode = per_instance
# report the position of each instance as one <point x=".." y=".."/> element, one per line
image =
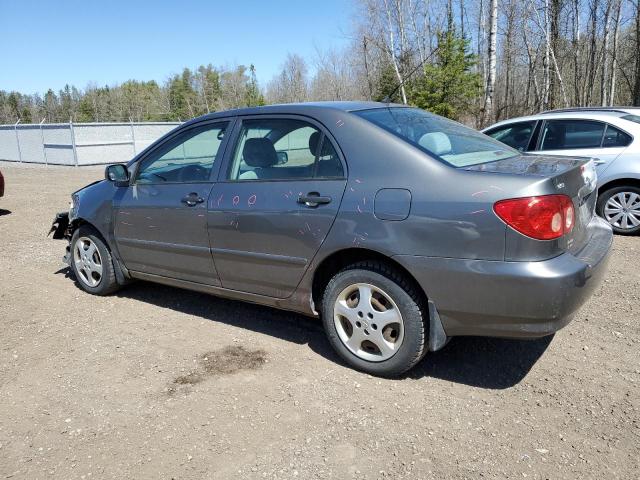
<point x="314" y="143"/>
<point x="436" y="142"/>
<point x="259" y="152"/>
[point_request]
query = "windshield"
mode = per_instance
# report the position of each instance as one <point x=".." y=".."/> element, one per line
<point x="444" y="139"/>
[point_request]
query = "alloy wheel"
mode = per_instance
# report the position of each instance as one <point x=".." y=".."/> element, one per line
<point x="88" y="261"/>
<point x="368" y="322"/>
<point x="622" y="210"/>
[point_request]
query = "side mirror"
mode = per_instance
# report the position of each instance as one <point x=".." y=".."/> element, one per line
<point x="283" y="157"/>
<point x="117" y="173"/>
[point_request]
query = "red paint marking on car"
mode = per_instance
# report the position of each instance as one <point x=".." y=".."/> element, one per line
<point x="236" y="200"/>
<point x="252" y="200"/>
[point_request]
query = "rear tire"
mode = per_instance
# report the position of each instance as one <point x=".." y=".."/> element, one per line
<point x="620" y="206"/>
<point x="384" y="335"/>
<point x="91" y="262"/>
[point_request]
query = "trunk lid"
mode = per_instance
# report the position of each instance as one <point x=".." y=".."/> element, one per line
<point x="572" y="176"/>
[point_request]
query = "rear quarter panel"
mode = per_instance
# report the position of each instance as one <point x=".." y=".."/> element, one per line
<point x="450" y="213"/>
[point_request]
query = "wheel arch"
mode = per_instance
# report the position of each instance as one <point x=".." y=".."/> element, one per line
<point x="619" y="182"/>
<point x="78" y="222"/>
<point x="122" y="273"/>
<point x="340" y="259"/>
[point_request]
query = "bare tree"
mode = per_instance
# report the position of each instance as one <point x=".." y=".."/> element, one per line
<point x="614" y="52"/>
<point x="291" y="84"/>
<point x="491" y="76"/>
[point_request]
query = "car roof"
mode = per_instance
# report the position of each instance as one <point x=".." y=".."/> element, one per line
<point x="595" y="109"/>
<point x="299" y="108"/>
<point x="603" y="115"/>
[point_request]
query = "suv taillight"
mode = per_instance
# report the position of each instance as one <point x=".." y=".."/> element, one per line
<point x="544" y="217"/>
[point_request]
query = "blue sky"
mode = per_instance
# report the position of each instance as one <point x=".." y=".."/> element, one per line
<point x="50" y="43"/>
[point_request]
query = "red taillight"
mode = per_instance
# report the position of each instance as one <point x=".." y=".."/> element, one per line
<point x="544" y="217"/>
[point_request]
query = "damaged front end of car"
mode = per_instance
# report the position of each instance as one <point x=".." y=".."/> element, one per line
<point x="62" y="226"/>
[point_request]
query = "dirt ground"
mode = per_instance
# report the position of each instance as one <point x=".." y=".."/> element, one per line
<point x="156" y="382"/>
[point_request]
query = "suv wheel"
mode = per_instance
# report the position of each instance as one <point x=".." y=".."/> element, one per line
<point x="91" y="262"/>
<point x="620" y="207"/>
<point x="374" y="318"/>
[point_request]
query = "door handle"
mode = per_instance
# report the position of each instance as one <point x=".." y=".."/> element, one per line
<point x="313" y="199"/>
<point x="192" y="199"/>
<point x="597" y="161"/>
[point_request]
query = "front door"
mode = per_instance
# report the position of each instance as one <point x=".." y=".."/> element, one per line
<point x="161" y="218"/>
<point x="274" y="205"/>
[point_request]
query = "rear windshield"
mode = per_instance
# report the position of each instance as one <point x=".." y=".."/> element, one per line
<point x="444" y="139"/>
<point x="631" y="118"/>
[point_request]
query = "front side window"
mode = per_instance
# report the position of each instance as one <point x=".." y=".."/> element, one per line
<point x="444" y="139"/>
<point x="516" y="135"/>
<point x="188" y="158"/>
<point x="281" y="149"/>
<point x="571" y="134"/>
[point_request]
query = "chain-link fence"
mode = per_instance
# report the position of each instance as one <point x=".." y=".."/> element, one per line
<point x="78" y="143"/>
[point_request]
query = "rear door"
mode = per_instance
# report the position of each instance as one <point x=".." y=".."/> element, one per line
<point x="276" y="200"/>
<point x="161" y="217"/>
<point x="583" y="138"/>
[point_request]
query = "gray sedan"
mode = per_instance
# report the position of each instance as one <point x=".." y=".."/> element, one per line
<point x="399" y="228"/>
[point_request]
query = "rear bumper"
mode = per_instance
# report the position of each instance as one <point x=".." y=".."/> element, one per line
<point x="513" y="299"/>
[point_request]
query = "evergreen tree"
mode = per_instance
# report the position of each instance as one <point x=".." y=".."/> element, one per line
<point x="448" y="86"/>
<point x="386" y="87"/>
<point x="182" y="96"/>
<point x="253" y="96"/>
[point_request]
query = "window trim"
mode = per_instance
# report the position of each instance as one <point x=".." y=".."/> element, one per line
<point x="227" y="164"/>
<point x="533" y="141"/>
<point x="171" y="136"/>
<point x="606" y="124"/>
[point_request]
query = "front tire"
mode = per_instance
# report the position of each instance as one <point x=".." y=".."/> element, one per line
<point x="374" y="318"/>
<point x="91" y="262"/>
<point x="620" y="206"/>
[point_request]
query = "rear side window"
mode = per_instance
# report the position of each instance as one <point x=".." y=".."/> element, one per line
<point x="571" y="134"/>
<point x="516" y="135"/>
<point x="283" y="149"/>
<point x="614" y="137"/>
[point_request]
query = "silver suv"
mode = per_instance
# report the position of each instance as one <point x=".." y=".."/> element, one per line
<point x="609" y="135"/>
